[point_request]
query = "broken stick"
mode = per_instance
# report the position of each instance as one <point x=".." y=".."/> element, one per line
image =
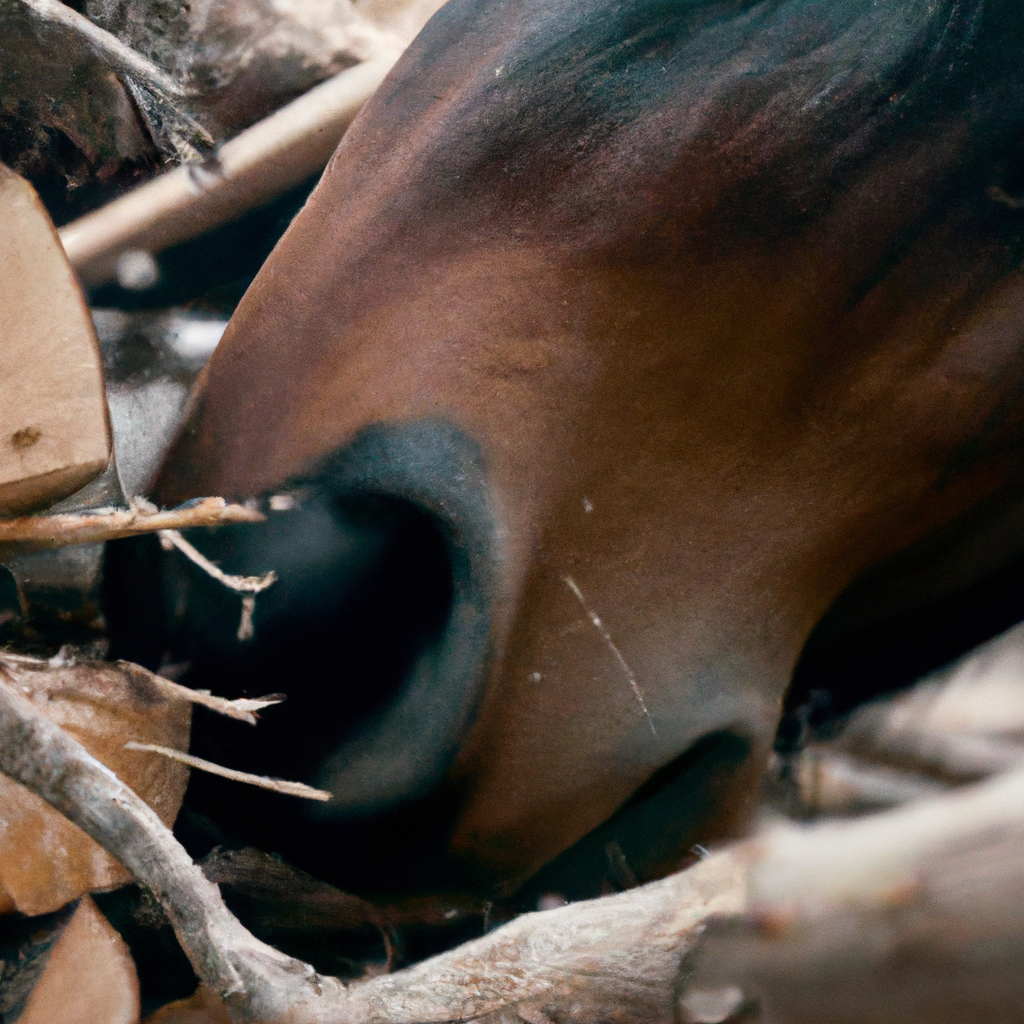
<point x="57" y="531"/>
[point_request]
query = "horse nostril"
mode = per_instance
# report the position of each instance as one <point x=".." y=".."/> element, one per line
<point x="364" y="589"/>
<point x="363" y="594"/>
<point x="376" y="629"/>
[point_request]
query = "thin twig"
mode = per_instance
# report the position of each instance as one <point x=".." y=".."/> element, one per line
<point x="56" y="531"/>
<point x="243" y="709"/>
<point x="141" y="75"/>
<point x="298" y="789"/>
<point x="107" y="47"/>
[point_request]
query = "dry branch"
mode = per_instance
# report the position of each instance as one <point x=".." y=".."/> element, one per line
<point x="157" y="94"/>
<point x="915" y="916"/>
<point x="254" y="167"/>
<point x="616" y="958"/>
<point x="108" y="48"/>
<point x="244" y="709"/>
<point x="244" y="971"/>
<point x="56" y="531"/>
<point x="171" y="539"/>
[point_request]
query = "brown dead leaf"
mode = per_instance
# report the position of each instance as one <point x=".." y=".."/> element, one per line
<point x="45" y="861"/>
<point x="202" y="1007"/>
<point x="54" y="435"/>
<point x="89" y="979"/>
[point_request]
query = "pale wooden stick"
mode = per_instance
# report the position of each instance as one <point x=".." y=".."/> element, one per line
<point x="298" y="789"/>
<point x="254" y="167"/>
<point x="91" y="527"/>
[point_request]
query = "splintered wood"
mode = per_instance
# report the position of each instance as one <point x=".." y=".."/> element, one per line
<point x="54" y="436"/>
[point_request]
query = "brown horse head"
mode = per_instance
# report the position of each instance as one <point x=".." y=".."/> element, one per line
<point x="647" y="327"/>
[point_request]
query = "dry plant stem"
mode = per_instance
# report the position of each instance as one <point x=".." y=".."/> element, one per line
<point x="92" y="527"/>
<point x="244" y="709"/>
<point x="242" y="584"/>
<point x="298" y="789"/>
<point x="254" y="167"/>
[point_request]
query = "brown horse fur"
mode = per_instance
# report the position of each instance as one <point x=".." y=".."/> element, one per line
<point x="726" y="299"/>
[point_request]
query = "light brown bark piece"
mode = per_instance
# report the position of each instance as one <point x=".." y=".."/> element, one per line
<point x="54" y="435"/>
<point x="90" y="977"/>
<point x="45" y="861"/>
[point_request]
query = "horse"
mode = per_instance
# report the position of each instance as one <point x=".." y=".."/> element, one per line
<point x="617" y="342"/>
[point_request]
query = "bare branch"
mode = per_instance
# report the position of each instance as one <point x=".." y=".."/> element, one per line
<point x="241" y="584"/>
<point x="252" y="977"/>
<point x="244" y="709"/>
<point x="154" y="90"/>
<point x="106" y="46"/>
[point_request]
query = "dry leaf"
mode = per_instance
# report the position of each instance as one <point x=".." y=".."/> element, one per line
<point x="202" y="1007"/>
<point x="89" y="979"/>
<point x="45" y="861"/>
<point x="54" y="436"/>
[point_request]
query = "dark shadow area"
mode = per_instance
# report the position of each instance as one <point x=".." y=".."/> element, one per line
<point x="163" y="969"/>
<point x="841" y="668"/>
<point x="653" y="832"/>
<point x="25" y="947"/>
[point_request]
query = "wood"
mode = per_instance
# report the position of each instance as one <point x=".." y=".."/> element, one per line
<point x="54" y="433"/>
<point x="62" y="529"/>
<point x="44" y="860"/>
